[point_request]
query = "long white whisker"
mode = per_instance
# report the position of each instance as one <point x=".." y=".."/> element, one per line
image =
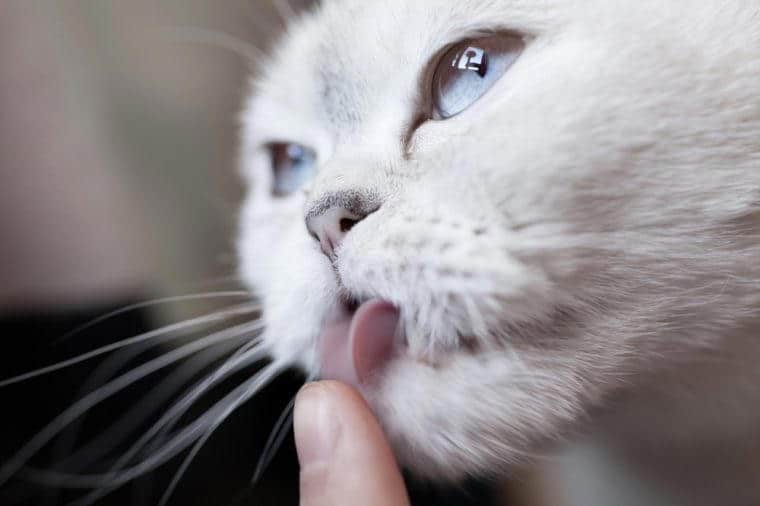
<point x="185" y="465"/>
<point x="63" y="449"/>
<point x="246" y="356"/>
<point x="279" y="431"/>
<point x="189" y="460"/>
<point x="285" y="11"/>
<point x="91" y="400"/>
<point x="218" y="39"/>
<point x="216" y="415"/>
<point x="166" y="330"/>
<point x="154" y="302"/>
<point x="130" y="420"/>
<point x="211" y="420"/>
<point x="180" y="407"/>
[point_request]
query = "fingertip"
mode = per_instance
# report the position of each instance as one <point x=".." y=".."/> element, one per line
<point x="332" y="388"/>
<point x="314" y="425"/>
<point x="343" y="452"/>
<point x="345" y="399"/>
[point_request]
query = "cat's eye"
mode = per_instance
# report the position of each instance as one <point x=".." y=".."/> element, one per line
<point x="292" y="166"/>
<point x="469" y="69"/>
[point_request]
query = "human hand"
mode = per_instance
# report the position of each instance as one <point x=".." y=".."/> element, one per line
<point x="344" y="456"/>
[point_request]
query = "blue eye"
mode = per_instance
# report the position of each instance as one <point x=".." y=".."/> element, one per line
<point x="292" y="166"/>
<point x="469" y="69"/>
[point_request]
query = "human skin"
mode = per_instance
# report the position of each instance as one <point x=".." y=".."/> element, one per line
<point x="344" y="456"/>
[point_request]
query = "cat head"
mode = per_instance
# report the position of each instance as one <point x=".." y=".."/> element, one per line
<point x="535" y="205"/>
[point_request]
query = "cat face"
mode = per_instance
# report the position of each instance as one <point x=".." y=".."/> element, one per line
<point x="584" y="219"/>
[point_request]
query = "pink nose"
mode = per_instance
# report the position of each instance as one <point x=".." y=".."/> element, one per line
<point x="331" y="226"/>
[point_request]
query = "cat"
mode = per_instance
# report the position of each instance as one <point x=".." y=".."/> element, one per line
<point x="526" y="232"/>
<point x="512" y="224"/>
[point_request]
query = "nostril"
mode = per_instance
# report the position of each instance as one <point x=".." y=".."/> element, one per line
<point x="330" y="219"/>
<point x="347" y="224"/>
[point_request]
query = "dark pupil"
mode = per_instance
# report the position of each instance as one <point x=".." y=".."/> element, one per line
<point x="472" y="58"/>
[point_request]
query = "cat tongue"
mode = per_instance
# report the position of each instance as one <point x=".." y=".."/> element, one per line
<point x="352" y="348"/>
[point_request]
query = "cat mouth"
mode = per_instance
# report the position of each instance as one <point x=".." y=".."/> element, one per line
<point x="358" y="339"/>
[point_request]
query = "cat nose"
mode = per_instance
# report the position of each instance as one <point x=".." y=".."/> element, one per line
<point x="330" y="219"/>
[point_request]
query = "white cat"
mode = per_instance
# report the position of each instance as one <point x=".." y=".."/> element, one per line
<point x="557" y="201"/>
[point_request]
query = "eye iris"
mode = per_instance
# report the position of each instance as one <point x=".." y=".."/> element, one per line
<point x="469" y="69"/>
<point x="295" y="152"/>
<point x="292" y="164"/>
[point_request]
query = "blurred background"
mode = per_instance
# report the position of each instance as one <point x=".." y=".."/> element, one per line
<point x="119" y="189"/>
<point x="118" y="143"/>
<point x="119" y="186"/>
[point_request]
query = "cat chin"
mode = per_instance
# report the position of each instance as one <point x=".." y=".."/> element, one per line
<point x="476" y="415"/>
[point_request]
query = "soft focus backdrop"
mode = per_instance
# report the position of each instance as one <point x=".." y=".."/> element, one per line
<point x="118" y="140"/>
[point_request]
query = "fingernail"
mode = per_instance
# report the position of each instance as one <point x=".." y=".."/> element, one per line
<point x="315" y="424"/>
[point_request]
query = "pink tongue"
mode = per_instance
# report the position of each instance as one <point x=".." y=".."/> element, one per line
<point x="351" y="349"/>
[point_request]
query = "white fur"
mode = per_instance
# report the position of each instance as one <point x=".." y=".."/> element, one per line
<point x="593" y="220"/>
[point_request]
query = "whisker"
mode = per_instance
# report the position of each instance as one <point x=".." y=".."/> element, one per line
<point x="285" y="11"/>
<point x="91" y="400"/>
<point x="152" y="302"/>
<point x="103" y="372"/>
<point x="185" y="465"/>
<point x="210" y="421"/>
<point x="62" y="452"/>
<point x="131" y="420"/>
<point x="107" y="439"/>
<point x="165" y="424"/>
<point x="166" y="330"/>
<point x="187" y="461"/>
<point x="279" y="431"/>
<point x="215" y="38"/>
<point x="246" y="356"/>
<point x="213" y="417"/>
